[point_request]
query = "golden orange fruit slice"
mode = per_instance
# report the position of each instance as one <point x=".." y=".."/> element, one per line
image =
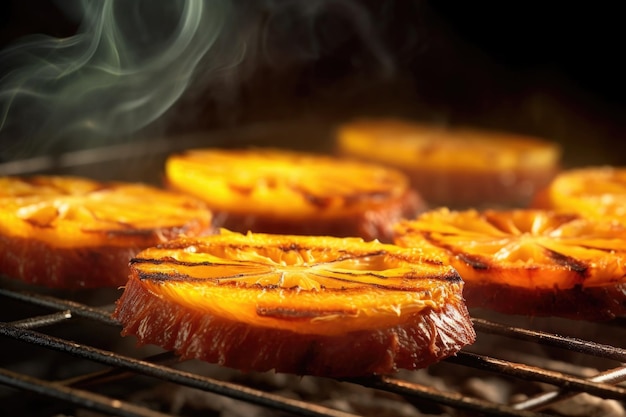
<point x="287" y="192"/>
<point x="455" y="167"/>
<point x="299" y="304"/>
<point x="592" y="191"/>
<point x="74" y="232"/>
<point x="531" y="262"/>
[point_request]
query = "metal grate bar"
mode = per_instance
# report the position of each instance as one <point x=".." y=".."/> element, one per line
<point x="115" y="374"/>
<point x="77" y="309"/>
<point x="45" y="320"/>
<point x="524" y="371"/>
<point x="569" y="343"/>
<point x="75" y="396"/>
<point x="539" y="402"/>
<point x="249" y="395"/>
<point x="451" y="399"/>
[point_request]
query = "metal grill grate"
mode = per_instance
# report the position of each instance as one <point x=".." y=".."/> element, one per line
<point x="59" y="312"/>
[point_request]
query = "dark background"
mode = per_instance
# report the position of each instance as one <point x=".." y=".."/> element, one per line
<point x="551" y="70"/>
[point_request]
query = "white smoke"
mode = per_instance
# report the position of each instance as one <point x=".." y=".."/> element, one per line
<point x="127" y="64"/>
<point x="130" y="61"/>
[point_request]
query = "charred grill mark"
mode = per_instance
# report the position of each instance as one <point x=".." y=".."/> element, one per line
<point x="135" y="261"/>
<point x="247" y="190"/>
<point x="497" y="222"/>
<point x="240" y="189"/>
<point x="99" y="187"/>
<point x="381" y="286"/>
<point x="147" y="233"/>
<point x="162" y="276"/>
<point x="352" y="274"/>
<point x="293" y="314"/>
<point x="175" y="276"/>
<point x="347" y="200"/>
<point x="346" y="256"/>
<point x="568" y="262"/>
<point x="188" y="203"/>
<point x="38" y="224"/>
<point x="563" y="218"/>
<point x="321" y="202"/>
<point x="597" y="248"/>
<point x="452" y="277"/>
<point x="376" y="195"/>
<point x="178" y="277"/>
<point x="287" y="247"/>
<point x="46" y="221"/>
<point x="473" y="261"/>
<point x="351" y="281"/>
<point x="271" y="182"/>
<point x="172" y="261"/>
<point x="291" y="247"/>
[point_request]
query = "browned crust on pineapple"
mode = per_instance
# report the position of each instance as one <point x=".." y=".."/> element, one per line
<point x="375" y="223"/>
<point x="306" y="193"/>
<point x="43" y="247"/>
<point x="462" y="189"/>
<point x="578" y="302"/>
<point x="531" y="262"/>
<point x="411" y="146"/>
<point x="458" y="188"/>
<point x="422" y="339"/>
<point x="36" y="262"/>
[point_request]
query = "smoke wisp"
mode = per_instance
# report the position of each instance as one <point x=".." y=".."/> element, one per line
<point x="131" y="61"/>
<point x="127" y="64"/>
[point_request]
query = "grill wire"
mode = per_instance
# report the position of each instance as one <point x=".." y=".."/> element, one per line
<point x="75" y="390"/>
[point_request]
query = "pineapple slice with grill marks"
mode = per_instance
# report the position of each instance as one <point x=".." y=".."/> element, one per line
<point x="288" y="192"/>
<point x="529" y="261"/>
<point x="299" y="304"/>
<point x="71" y="232"/>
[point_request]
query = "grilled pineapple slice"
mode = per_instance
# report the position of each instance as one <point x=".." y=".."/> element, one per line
<point x="598" y="192"/>
<point x="287" y="192"/>
<point x="455" y="167"/>
<point x="531" y="262"/>
<point x="299" y="304"/>
<point x="73" y="232"/>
